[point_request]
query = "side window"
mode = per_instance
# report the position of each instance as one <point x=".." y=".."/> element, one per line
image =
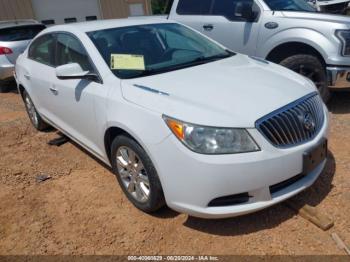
<point x="70" y="50"/>
<point x="42" y="50"/>
<point x="231" y="9"/>
<point x="194" y="7"/>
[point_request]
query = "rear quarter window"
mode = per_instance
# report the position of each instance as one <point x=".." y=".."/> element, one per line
<point x="20" y="33"/>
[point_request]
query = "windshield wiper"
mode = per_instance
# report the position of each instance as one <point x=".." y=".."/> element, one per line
<point x="198" y="61"/>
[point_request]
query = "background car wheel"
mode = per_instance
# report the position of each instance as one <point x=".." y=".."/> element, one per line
<point x="311" y="67"/>
<point x="136" y="174"/>
<point x="34" y="117"/>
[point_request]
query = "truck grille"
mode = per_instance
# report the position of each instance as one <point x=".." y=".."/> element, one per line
<point x="294" y="124"/>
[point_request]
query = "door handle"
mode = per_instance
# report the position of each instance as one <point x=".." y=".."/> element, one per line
<point x="208" y="27"/>
<point x="26" y="75"/>
<point x="54" y="90"/>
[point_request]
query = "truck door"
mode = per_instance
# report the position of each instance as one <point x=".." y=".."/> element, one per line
<point x="221" y="20"/>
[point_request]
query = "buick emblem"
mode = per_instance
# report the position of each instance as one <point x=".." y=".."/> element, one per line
<point x="308" y="122"/>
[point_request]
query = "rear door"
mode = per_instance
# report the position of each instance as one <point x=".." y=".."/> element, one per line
<point x="221" y="21"/>
<point x="17" y="39"/>
<point x="39" y="74"/>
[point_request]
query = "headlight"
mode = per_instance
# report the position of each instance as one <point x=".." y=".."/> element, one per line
<point x="212" y="140"/>
<point x="344" y="37"/>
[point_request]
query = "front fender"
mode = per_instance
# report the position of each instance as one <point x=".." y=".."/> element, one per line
<point x="145" y="126"/>
<point x="328" y="48"/>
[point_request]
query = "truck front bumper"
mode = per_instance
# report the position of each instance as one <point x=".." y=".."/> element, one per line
<point x="338" y="77"/>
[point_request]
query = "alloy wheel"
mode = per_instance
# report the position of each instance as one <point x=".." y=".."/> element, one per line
<point x="133" y="174"/>
<point x="31" y="111"/>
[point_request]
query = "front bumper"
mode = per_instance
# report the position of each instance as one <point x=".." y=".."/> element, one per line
<point x="191" y="181"/>
<point x="6" y="69"/>
<point x="338" y="77"/>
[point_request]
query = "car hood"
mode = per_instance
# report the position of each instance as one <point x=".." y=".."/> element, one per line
<point x="232" y="92"/>
<point x="322" y="17"/>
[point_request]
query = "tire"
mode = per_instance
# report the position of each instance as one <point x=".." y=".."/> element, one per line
<point x="311" y="67"/>
<point x="136" y="180"/>
<point x="33" y="114"/>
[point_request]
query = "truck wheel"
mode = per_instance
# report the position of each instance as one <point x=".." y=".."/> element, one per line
<point x="34" y="116"/>
<point x="311" y="67"/>
<point x="136" y="174"/>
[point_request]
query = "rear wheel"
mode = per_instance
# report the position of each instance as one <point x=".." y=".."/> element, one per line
<point x="34" y="117"/>
<point x="136" y="174"/>
<point x="310" y="67"/>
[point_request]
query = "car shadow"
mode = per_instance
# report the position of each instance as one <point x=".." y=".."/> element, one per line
<point x="80" y="88"/>
<point x="340" y="102"/>
<point x="13" y="91"/>
<point x="10" y="87"/>
<point x="270" y="217"/>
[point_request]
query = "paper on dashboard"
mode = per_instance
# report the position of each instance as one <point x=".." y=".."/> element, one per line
<point x="127" y="62"/>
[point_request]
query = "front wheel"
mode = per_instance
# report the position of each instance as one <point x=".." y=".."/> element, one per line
<point x="34" y="116"/>
<point x="136" y="174"/>
<point x="310" y="67"/>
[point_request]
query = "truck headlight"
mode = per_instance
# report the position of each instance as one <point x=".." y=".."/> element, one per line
<point x="344" y="37"/>
<point x="212" y="140"/>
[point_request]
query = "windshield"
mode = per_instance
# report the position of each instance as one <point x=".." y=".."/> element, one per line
<point x="290" y="5"/>
<point x="143" y="50"/>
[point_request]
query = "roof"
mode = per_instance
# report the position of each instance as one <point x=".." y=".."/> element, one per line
<point x="11" y="23"/>
<point x="106" y="24"/>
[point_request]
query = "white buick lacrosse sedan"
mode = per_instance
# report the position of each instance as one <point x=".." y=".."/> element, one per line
<point x="180" y="119"/>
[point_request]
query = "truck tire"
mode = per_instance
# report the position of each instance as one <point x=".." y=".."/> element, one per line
<point x="136" y="174"/>
<point x="312" y="68"/>
<point x="33" y="114"/>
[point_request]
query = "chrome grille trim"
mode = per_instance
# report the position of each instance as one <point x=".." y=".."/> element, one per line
<point x="289" y="125"/>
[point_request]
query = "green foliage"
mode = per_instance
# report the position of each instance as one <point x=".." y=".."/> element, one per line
<point x="158" y="6"/>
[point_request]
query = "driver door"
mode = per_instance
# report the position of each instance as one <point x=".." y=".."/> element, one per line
<point x="76" y="98"/>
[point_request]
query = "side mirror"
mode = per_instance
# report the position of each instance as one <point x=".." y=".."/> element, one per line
<point x="74" y="71"/>
<point x="245" y="10"/>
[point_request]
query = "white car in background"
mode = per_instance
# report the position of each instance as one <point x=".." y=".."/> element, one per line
<point x="180" y="119"/>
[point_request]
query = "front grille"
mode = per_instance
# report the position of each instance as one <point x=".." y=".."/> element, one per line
<point x="295" y="123"/>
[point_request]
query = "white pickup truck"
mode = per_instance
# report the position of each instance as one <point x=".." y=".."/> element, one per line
<point x="289" y="32"/>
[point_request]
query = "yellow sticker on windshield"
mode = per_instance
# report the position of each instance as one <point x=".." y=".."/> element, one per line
<point x="127" y="62"/>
